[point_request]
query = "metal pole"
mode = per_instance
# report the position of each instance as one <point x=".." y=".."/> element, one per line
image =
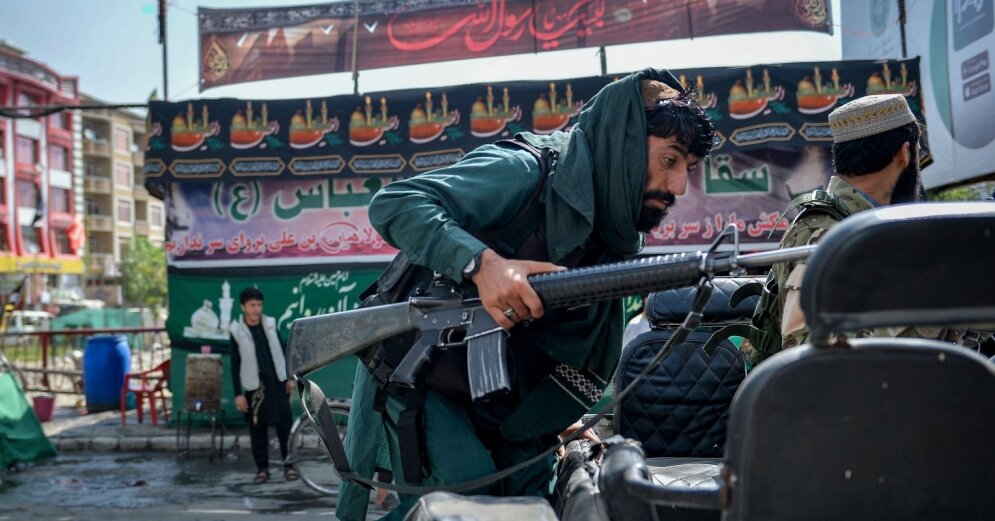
<point x="355" y="48"/>
<point x="162" y="41"/>
<point x="901" y="25"/>
<point x="604" y="60"/>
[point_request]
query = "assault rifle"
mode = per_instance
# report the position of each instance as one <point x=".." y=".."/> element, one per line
<point x="450" y="321"/>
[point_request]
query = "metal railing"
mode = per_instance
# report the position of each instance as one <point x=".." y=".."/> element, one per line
<point x="52" y="361"/>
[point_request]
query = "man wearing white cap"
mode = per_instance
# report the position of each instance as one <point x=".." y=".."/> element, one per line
<point x="875" y="156"/>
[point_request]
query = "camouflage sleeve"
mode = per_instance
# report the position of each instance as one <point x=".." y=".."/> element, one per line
<point x="804" y="231"/>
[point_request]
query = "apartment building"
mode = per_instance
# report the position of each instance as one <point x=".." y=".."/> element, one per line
<point x="117" y="205"/>
<point x="40" y="176"/>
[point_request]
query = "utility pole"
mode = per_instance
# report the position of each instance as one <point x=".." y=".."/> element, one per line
<point x="162" y="41"/>
<point x="901" y="25"/>
<point x="355" y="48"/>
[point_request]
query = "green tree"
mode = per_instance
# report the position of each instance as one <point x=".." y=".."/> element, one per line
<point x="143" y="274"/>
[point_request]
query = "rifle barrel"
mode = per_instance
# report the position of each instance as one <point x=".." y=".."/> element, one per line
<point x="648" y="274"/>
<point x="767" y="258"/>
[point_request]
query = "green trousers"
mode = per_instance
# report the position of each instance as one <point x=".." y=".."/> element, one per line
<point x="462" y="444"/>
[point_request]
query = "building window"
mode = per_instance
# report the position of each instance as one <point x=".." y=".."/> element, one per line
<point x="3" y="192"/>
<point x="3" y="144"/>
<point x="26" y="100"/>
<point x="124" y="211"/>
<point x="123" y="245"/>
<point x="29" y="238"/>
<point x="27" y="151"/>
<point x="91" y="169"/>
<point x="62" y="241"/>
<point x="59" y="120"/>
<point x="59" y="200"/>
<point x="27" y="193"/>
<point x="122" y="176"/>
<point x="155" y="215"/>
<point x="92" y="208"/>
<point x="122" y="139"/>
<point x="4" y="242"/>
<point x="57" y="158"/>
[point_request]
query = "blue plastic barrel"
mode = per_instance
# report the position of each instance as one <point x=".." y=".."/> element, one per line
<point x="106" y="359"/>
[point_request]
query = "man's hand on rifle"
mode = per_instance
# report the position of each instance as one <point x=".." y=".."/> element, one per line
<point x="504" y="288"/>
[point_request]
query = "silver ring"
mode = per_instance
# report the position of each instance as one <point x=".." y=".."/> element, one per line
<point x="510" y="313"/>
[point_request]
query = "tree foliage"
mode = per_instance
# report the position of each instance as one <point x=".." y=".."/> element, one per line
<point x="143" y="274"/>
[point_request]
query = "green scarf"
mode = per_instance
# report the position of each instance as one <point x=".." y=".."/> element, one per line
<point x="601" y="173"/>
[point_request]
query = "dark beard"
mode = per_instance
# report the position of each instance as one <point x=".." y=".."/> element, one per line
<point x="649" y="216"/>
<point x="909" y="187"/>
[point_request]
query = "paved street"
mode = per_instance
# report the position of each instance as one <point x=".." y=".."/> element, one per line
<point x="154" y="485"/>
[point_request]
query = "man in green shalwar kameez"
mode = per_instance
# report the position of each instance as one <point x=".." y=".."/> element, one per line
<point x="617" y="173"/>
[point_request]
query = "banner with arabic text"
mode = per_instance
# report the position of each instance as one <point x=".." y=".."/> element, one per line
<point x="202" y="306"/>
<point x="310" y="222"/>
<point x="240" y="45"/>
<point x="263" y="223"/>
<point x="403" y="133"/>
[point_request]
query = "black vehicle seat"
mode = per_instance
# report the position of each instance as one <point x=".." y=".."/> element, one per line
<point x="874" y="428"/>
<point x="682" y="408"/>
<point x="679" y="413"/>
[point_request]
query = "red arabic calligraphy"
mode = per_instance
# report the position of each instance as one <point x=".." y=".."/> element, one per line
<point x="493" y="21"/>
<point x="336" y="238"/>
<point x="707" y="228"/>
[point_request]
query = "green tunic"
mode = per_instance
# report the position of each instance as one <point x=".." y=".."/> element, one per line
<point x="562" y="363"/>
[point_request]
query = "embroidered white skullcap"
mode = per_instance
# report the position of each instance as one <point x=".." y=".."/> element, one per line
<point x="869" y="115"/>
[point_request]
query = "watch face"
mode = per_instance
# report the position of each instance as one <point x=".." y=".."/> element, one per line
<point x="470" y="266"/>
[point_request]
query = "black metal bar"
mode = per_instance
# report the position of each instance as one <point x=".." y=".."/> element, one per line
<point x="901" y="26"/>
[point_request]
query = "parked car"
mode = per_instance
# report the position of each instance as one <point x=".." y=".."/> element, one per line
<point x="26" y="321"/>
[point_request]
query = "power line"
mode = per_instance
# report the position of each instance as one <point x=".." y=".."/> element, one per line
<point x="37" y="111"/>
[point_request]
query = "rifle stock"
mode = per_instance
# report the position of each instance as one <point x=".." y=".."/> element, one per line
<point x="320" y="340"/>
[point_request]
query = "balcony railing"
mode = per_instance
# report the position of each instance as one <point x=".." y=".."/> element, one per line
<point x="138" y="158"/>
<point x="101" y="263"/>
<point x="97" y="185"/>
<point x="96" y="148"/>
<point x="142" y="227"/>
<point x="141" y="194"/>
<point x="99" y="223"/>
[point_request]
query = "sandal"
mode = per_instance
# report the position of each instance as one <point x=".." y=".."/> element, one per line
<point x="290" y="474"/>
<point x="261" y="477"/>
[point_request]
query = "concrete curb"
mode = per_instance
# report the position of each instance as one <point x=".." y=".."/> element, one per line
<point x="71" y="431"/>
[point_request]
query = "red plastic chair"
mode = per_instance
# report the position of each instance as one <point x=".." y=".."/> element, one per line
<point x="146" y="385"/>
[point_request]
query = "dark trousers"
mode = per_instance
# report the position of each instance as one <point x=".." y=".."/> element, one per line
<point x="259" y="437"/>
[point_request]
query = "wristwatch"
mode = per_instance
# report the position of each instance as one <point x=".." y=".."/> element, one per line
<point x="472" y="267"/>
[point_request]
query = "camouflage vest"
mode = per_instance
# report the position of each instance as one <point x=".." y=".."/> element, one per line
<point x="764" y="330"/>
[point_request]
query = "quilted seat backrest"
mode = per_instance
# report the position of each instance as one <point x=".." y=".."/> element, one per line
<point x="682" y="408"/>
<point x="669" y="308"/>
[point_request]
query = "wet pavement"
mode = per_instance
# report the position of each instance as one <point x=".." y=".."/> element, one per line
<point x="108" y="472"/>
<point x="154" y="485"/>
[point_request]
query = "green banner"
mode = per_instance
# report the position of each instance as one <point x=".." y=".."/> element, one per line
<point x="201" y="307"/>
